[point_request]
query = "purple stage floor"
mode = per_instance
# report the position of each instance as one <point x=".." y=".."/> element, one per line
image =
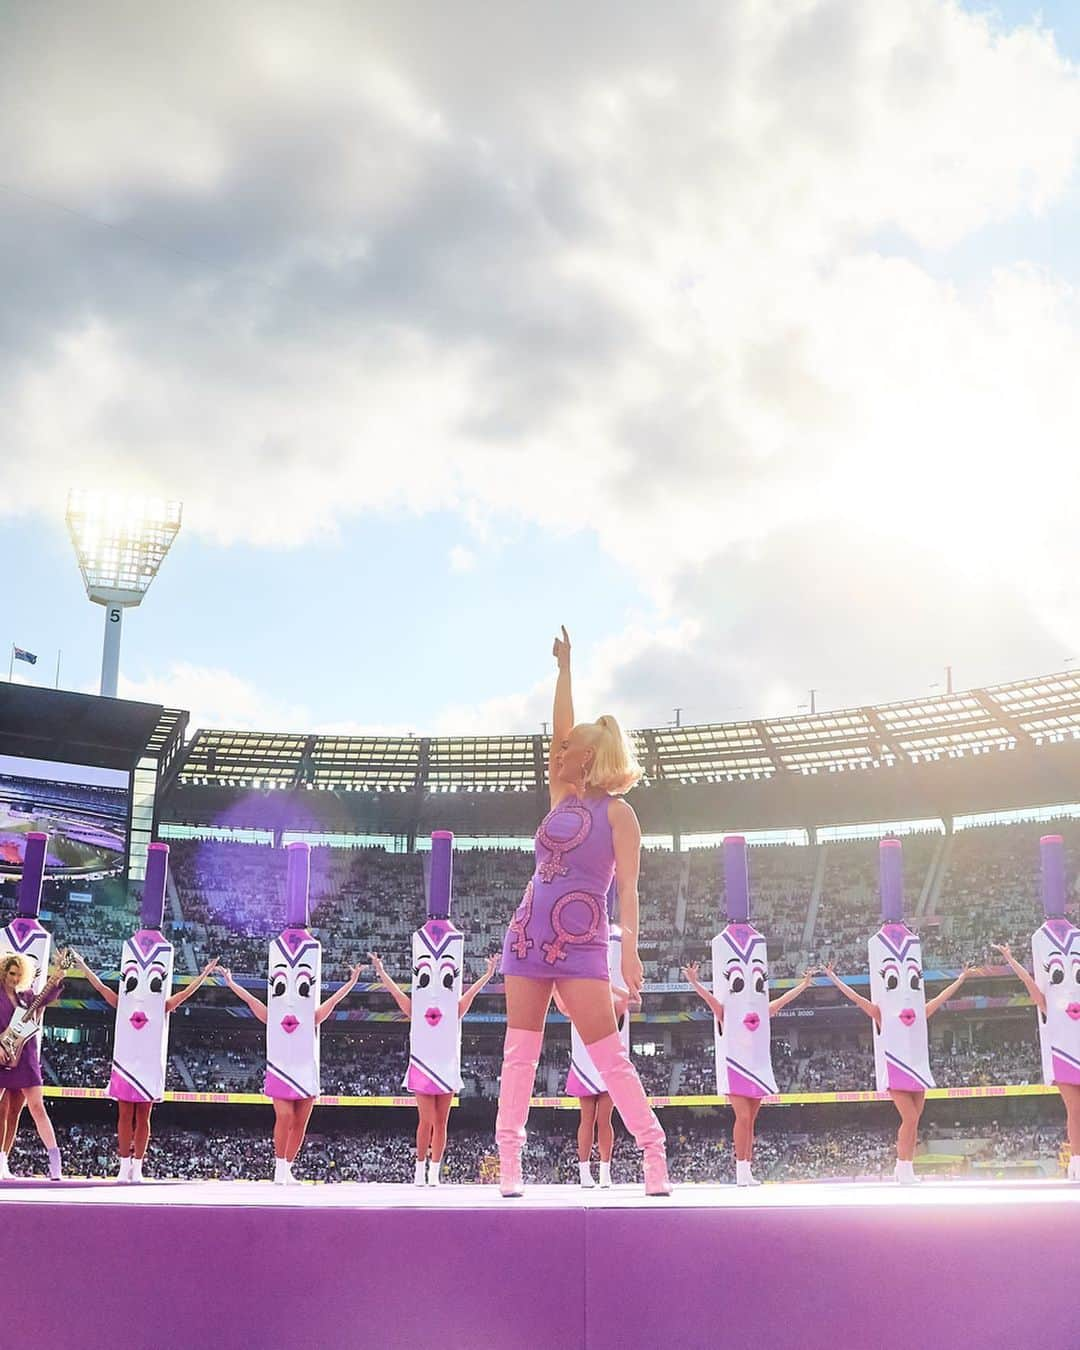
<point x="243" y="1264"/>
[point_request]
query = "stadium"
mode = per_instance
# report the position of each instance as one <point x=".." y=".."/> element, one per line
<point x="968" y="782"/>
<point x="540" y="751"/>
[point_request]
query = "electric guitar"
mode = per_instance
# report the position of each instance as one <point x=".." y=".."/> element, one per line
<point x="26" y="1022"/>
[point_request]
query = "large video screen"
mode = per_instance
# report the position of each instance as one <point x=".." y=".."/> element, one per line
<point x="83" y="810"/>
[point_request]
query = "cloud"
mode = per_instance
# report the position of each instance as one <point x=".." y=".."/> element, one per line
<point x="217" y="697"/>
<point x="623" y="269"/>
<point x="462" y="559"/>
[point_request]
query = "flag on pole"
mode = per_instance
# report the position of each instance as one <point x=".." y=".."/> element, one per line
<point x="29" y="657"/>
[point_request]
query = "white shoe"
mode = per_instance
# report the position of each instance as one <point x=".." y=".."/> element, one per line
<point x="605" y="1176"/>
<point x="585" y="1175"/>
<point x="905" y="1173"/>
<point x="136" y="1171"/>
<point x="124" y="1174"/>
<point x="281" y="1172"/>
<point x="1074" y="1167"/>
<point x="5" y="1170"/>
<point x="434" y="1177"/>
<point x="744" y="1176"/>
<point x="420" y="1174"/>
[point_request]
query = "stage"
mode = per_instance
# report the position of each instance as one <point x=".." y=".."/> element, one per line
<point x="826" y="1264"/>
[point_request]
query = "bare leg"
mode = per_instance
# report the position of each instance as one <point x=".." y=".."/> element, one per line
<point x="424" y="1124"/>
<point x="440" y="1119"/>
<point x="1070" y="1095"/>
<point x="283" y="1110"/>
<point x="36" y="1104"/>
<point x="125" y="1128"/>
<point x="605" y="1131"/>
<point x="910" y="1107"/>
<point x="14" y="1101"/>
<point x="586" y="1128"/>
<point x="142" y="1128"/>
<point x="298" y="1126"/>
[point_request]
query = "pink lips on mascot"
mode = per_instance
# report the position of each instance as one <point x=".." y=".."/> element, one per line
<point x="1055" y="952"/>
<point x="437" y="955"/>
<point x="741" y="983"/>
<point x="141" y="1037"/>
<point x="293" y="991"/>
<point x="901" y="1042"/>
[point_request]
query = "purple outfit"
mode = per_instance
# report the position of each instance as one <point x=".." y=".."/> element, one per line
<point x="560" y="929"/>
<point x="27" y="1073"/>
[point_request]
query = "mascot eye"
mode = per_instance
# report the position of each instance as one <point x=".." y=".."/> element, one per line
<point x="278" y="987"/>
<point x="915" y="980"/>
<point x="304" y="988"/>
<point x="1076" y="974"/>
<point x="1057" y="975"/>
<point x="131" y="984"/>
<point x="892" y="981"/>
<point x="155" y="984"/>
<point x="759" y="984"/>
<point x="424" y="980"/>
<point x="738" y="984"/>
<point x="448" y="980"/>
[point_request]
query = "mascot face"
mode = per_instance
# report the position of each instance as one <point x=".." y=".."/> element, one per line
<point x="142" y="1031"/>
<point x="435" y="1029"/>
<point x="741" y="983"/>
<point x="1055" y="951"/>
<point x="901" y="1044"/>
<point x="294" y="988"/>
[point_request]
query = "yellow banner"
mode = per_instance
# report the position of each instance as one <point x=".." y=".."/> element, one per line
<point x="572" y="1103"/>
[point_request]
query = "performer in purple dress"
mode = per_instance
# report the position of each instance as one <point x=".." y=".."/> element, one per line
<point x="16" y="973"/>
<point x="559" y="934"/>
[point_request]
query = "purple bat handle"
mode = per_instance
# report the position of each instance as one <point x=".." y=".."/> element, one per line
<point x="891" y="880"/>
<point x="1053" y="875"/>
<point x="441" y="881"/>
<point x="33" y="874"/>
<point x="296" y="885"/>
<point x="612" y="898"/>
<point x="153" y="897"/>
<point x="736" y="879"/>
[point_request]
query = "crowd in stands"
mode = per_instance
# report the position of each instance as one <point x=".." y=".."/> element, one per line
<point x="698" y="1152"/>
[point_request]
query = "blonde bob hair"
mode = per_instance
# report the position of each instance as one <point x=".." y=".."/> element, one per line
<point x="26" y="969"/>
<point x="614" y="767"/>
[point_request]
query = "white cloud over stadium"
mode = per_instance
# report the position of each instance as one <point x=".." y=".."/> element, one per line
<point x="677" y="275"/>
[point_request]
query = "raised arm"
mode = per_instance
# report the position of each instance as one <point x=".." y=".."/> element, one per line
<point x="256" y="1006"/>
<point x="690" y="971"/>
<point x="562" y="716"/>
<point x="626" y="839"/>
<point x="395" y="991"/>
<point x="1037" y="995"/>
<point x="792" y="994"/>
<point x="466" y="1000"/>
<point x="109" y="995"/>
<point x="939" y="1000"/>
<point x="175" y="1001"/>
<point x="870" y="1009"/>
<point x="328" y="1005"/>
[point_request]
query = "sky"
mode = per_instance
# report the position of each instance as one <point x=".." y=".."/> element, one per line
<point x="740" y="338"/>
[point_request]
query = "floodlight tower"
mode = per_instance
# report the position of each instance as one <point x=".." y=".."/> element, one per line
<point x="120" y="544"/>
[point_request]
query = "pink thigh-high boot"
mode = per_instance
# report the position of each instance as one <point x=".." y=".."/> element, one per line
<point x="624" y="1087"/>
<point x="521" y="1054"/>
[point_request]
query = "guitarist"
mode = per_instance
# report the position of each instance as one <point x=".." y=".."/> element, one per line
<point x="16" y="974"/>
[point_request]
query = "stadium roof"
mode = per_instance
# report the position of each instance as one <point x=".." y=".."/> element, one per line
<point x="1026" y="714"/>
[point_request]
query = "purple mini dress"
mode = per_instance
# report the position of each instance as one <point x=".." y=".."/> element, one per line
<point x="27" y="1073"/>
<point x="560" y="929"/>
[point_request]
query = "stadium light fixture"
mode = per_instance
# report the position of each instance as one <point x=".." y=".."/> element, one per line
<point x="120" y="543"/>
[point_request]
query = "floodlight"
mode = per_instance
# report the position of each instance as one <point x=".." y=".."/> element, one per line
<point x="120" y="543"/>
